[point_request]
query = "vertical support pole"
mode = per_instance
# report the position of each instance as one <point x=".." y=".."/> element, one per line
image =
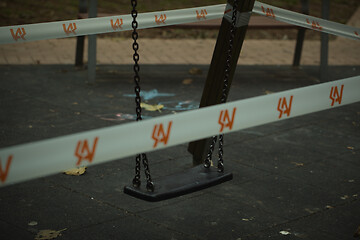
<point x="79" y="55"/>
<point x="92" y="45"/>
<point x="324" y="43"/>
<point x="212" y="91"/>
<point x="300" y="36"/>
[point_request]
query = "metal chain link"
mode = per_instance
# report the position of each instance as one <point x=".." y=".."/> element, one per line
<point x="207" y="162"/>
<point x="136" y="57"/>
<point x="224" y="94"/>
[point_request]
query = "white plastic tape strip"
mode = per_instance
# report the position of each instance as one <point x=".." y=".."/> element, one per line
<point x="306" y="21"/>
<point x="32" y="160"/>
<point x="73" y="28"/>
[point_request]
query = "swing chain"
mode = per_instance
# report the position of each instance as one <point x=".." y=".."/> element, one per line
<point x="224" y="93"/>
<point x="136" y="180"/>
<point x="207" y="163"/>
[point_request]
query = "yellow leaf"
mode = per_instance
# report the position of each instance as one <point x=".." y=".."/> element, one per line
<point x="76" y="171"/>
<point x="151" y="108"/>
<point x="48" y="234"/>
<point x="298" y="164"/>
<point x="187" y="81"/>
<point x="195" y="71"/>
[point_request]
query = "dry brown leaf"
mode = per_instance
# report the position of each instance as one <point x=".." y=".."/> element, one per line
<point x="298" y="164"/>
<point x="267" y="92"/>
<point x="187" y="81"/>
<point x="151" y="108"/>
<point x="195" y="71"/>
<point x="76" y="171"/>
<point x="357" y="232"/>
<point x="48" y="234"/>
<point x="350" y="148"/>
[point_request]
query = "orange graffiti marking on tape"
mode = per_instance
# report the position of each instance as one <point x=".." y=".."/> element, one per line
<point x="269" y="12"/>
<point x="314" y="25"/>
<point x="160" y="19"/>
<point x="225" y="120"/>
<point x="201" y="14"/>
<point x="4" y="174"/>
<point x="83" y="152"/>
<point x="20" y="33"/>
<point x="335" y="96"/>
<point x="117" y="24"/>
<point x="229" y="10"/>
<point x="284" y="107"/>
<point x="70" y="28"/>
<point x="160" y="135"/>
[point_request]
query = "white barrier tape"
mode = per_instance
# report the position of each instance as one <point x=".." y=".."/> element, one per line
<point x="32" y="160"/>
<point x="306" y="21"/>
<point x="73" y="28"/>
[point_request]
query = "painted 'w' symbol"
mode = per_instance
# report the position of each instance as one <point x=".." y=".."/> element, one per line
<point x="160" y="135"/>
<point x="160" y="19"/>
<point x="4" y="173"/>
<point x="284" y="107"/>
<point x="335" y="96"/>
<point x="83" y="152"/>
<point x="201" y="14"/>
<point x="225" y="120"/>
<point x="70" y="28"/>
<point x="20" y="33"/>
<point x="117" y="24"/>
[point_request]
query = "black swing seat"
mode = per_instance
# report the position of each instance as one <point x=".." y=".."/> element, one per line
<point x="192" y="180"/>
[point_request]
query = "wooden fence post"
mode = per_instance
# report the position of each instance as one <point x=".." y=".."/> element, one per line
<point x="212" y="91"/>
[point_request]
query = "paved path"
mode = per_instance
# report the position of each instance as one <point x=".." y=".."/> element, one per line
<point x="298" y="177"/>
<point x="182" y="51"/>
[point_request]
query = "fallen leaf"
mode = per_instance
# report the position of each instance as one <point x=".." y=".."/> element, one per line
<point x="48" y="234"/>
<point x="151" y="108"/>
<point x="187" y="81"/>
<point x="245" y="219"/>
<point x="75" y="103"/>
<point x="75" y="171"/>
<point x="30" y="126"/>
<point x="284" y="232"/>
<point x="298" y="164"/>
<point x="77" y="113"/>
<point x="344" y="197"/>
<point x="195" y="71"/>
<point x="267" y="92"/>
<point x="357" y="232"/>
<point x="350" y="148"/>
<point x="33" y="223"/>
<point x="351" y="181"/>
<point x="329" y="207"/>
<point x="109" y="95"/>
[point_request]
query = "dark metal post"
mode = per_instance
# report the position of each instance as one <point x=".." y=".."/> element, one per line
<point x="79" y="55"/>
<point x="300" y="36"/>
<point x="324" y="43"/>
<point x="212" y="91"/>
<point x="92" y="45"/>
